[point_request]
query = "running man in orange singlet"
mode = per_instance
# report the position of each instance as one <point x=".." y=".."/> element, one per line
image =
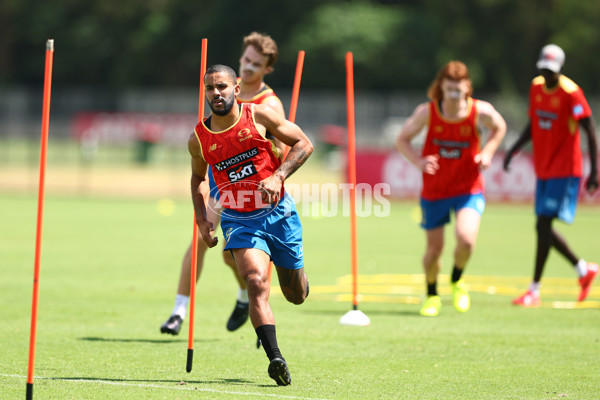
<point x="259" y="219"/>
<point x="259" y="54"/>
<point x="451" y="161"/>
<point x="557" y="108"/>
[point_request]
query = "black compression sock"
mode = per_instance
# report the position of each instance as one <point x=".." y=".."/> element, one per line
<point x="456" y="274"/>
<point x="432" y="289"/>
<point x="268" y="337"/>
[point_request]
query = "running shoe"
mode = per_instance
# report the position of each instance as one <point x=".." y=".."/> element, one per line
<point x="279" y="372"/>
<point x="586" y="281"/>
<point x="172" y="325"/>
<point x="239" y="316"/>
<point x="431" y="306"/>
<point x="529" y="299"/>
<point x="460" y="296"/>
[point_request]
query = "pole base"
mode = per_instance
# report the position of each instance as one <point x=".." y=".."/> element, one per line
<point x="190" y="359"/>
<point x="355" y="318"/>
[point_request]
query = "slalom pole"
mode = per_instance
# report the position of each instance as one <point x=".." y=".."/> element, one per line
<point x="40" y="213"/>
<point x="292" y="116"/>
<point x="352" y="173"/>
<point x="190" y="352"/>
<point x="353" y="317"/>
<point x="296" y="89"/>
<point x="295" y="94"/>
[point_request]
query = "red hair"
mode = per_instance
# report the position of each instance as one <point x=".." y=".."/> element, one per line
<point x="454" y="71"/>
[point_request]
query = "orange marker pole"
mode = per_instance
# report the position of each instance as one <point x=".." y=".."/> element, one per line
<point x="190" y="352"/>
<point x="296" y="89"/>
<point x="40" y="213"/>
<point x="292" y="117"/>
<point x="295" y="93"/>
<point x="352" y="174"/>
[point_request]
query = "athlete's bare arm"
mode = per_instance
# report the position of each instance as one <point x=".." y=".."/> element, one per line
<point x="199" y="170"/>
<point x="411" y="128"/>
<point x="276" y="105"/>
<point x="291" y="135"/>
<point x="589" y="127"/>
<point x="493" y="121"/>
<point x="521" y="141"/>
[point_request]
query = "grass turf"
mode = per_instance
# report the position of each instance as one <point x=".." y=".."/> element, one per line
<point x="109" y="273"/>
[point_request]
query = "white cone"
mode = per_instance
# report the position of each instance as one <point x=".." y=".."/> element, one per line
<point x="355" y="318"/>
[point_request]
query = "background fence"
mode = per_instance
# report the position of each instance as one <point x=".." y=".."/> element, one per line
<point x="101" y="133"/>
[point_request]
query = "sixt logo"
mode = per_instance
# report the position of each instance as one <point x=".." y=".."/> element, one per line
<point x="453" y="154"/>
<point x="245" y="134"/>
<point x="242" y="171"/>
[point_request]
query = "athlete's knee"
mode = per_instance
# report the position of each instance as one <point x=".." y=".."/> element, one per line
<point x="299" y="294"/>
<point x="256" y="282"/>
<point x="296" y="297"/>
<point x="434" y="250"/>
<point x="465" y="244"/>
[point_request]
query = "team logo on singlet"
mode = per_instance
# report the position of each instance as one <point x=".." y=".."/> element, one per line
<point x="245" y="134"/>
<point x="241" y="171"/>
<point x="235" y="160"/>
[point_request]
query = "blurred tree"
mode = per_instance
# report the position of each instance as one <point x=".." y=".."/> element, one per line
<point x="397" y="45"/>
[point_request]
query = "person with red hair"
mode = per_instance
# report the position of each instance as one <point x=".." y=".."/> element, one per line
<point x="451" y="161"/>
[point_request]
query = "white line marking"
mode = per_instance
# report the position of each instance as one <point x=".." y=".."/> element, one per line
<point x="199" y="389"/>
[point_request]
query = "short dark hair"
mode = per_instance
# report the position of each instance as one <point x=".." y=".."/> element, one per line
<point x="222" y="69"/>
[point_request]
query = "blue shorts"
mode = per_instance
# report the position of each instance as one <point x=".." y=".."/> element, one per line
<point x="212" y="185"/>
<point x="437" y="212"/>
<point x="557" y="198"/>
<point x="276" y="230"/>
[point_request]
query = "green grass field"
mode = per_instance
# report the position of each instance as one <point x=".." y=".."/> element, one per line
<point x="109" y="274"/>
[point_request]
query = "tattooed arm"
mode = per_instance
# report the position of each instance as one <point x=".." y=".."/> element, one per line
<point x="290" y="134"/>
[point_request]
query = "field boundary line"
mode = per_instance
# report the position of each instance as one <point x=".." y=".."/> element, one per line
<point x="154" y="386"/>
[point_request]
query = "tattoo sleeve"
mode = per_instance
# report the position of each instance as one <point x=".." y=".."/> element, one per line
<point x="293" y="161"/>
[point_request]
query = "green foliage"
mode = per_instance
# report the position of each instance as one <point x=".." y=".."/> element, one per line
<point x="397" y="45"/>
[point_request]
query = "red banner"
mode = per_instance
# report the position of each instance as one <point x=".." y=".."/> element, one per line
<point x="518" y="184"/>
<point x="128" y="127"/>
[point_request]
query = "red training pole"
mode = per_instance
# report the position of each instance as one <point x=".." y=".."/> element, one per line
<point x="292" y="117"/>
<point x="352" y="174"/>
<point x="190" y="352"/>
<point x="296" y="89"/>
<point x="295" y="93"/>
<point x="355" y="316"/>
<point x="40" y="213"/>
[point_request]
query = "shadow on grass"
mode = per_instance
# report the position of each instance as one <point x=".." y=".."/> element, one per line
<point x="154" y="341"/>
<point x="175" y="382"/>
